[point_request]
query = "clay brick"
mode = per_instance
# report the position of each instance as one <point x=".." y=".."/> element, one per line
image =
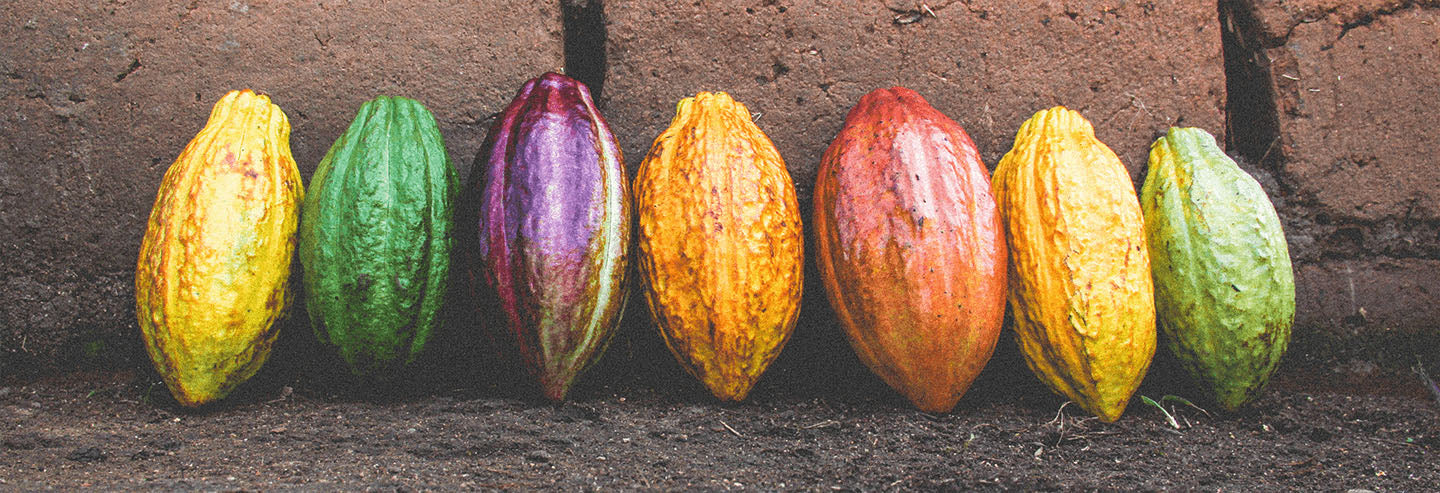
<point x="1351" y="95"/>
<point x="1132" y="68"/>
<point x="99" y="99"/>
<point x="1356" y="96"/>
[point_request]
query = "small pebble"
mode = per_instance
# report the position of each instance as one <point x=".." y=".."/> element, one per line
<point x="538" y="456"/>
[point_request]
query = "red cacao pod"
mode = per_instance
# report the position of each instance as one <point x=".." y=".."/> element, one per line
<point x="911" y="249"/>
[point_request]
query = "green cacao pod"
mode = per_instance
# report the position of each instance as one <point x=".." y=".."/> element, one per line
<point x="910" y="246"/>
<point x="376" y="237"/>
<point x="1224" y="289"/>
<point x="1080" y="287"/>
<point x="214" y="268"/>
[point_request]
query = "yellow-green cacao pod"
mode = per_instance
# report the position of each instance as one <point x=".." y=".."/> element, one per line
<point x="1080" y="287"/>
<point x="215" y="262"/>
<point x="720" y="243"/>
<point x="1224" y="289"/>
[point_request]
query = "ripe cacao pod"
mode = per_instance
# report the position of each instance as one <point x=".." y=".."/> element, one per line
<point x="376" y="235"/>
<point x="910" y="246"/>
<point x="1080" y="288"/>
<point x="720" y="243"/>
<point x="554" y="230"/>
<point x="214" y="268"/>
<point x="1224" y="290"/>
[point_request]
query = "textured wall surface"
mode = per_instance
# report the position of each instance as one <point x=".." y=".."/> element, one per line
<point x="1132" y="68"/>
<point x="98" y="98"/>
<point x="1345" y="118"/>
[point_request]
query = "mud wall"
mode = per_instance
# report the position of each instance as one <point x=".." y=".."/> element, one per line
<point x="1342" y="101"/>
<point x="1331" y="104"/>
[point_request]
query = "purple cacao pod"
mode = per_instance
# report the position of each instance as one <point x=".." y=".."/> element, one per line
<point x="553" y="231"/>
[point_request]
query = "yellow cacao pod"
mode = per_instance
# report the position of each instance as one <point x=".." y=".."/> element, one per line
<point x="215" y="262"/>
<point x="720" y="243"/>
<point x="1080" y="286"/>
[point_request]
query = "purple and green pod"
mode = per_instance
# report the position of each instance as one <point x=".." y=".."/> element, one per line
<point x="554" y="230"/>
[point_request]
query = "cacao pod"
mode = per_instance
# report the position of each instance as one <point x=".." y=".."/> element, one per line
<point x="720" y="243"/>
<point x="1080" y="288"/>
<point x="910" y="246"/>
<point x="554" y="229"/>
<point x="376" y="236"/>
<point x="1224" y="290"/>
<point x="214" y="268"/>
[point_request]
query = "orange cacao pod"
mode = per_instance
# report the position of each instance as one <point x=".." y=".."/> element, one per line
<point x="720" y="243"/>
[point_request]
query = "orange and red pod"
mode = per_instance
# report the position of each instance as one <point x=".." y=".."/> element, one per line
<point x="910" y="246"/>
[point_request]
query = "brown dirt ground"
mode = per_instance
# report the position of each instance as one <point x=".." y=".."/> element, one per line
<point x="814" y="423"/>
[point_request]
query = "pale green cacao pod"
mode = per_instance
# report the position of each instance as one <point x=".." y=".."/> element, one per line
<point x="1224" y="288"/>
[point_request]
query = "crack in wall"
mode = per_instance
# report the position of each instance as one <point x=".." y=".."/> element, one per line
<point x="1252" y="127"/>
<point x="1348" y="19"/>
<point x="1254" y="84"/>
<point x="1374" y="15"/>
<point x="585" y="35"/>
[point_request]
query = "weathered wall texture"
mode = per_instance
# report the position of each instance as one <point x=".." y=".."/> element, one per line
<point x="98" y="98"/>
<point x="1132" y="68"/>
<point x="1348" y="100"/>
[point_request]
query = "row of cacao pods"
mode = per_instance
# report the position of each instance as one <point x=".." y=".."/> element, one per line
<point x="918" y="250"/>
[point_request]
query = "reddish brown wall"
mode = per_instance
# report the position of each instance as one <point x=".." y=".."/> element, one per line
<point x="98" y="98"/>
<point x="1347" y="125"/>
<point x="1133" y="68"/>
<point x="1335" y="110"/>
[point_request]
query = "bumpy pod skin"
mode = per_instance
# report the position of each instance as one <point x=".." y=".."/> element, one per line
<point x="213" y="273"/>
<point x="1224" y="288"/>
<point x="554" y="229"/>
<point x="1080" y="287"/>
<point x="910" y="246"/>
<point x="376" y="237"/>
<point x="720" y="243"/>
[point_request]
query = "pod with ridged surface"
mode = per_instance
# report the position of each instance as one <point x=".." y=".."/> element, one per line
<point x="553" y="231"/>
<point x="910" y="246"/>
<point x="376" y="236"/>
<point x="1224" y="288"/>
<point x="214" y="267"/>
<point x="721" y="250"/>
<point x="1080" y="288"/>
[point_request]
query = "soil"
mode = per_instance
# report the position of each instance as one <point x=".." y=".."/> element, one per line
<point x="648" y="426"/>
